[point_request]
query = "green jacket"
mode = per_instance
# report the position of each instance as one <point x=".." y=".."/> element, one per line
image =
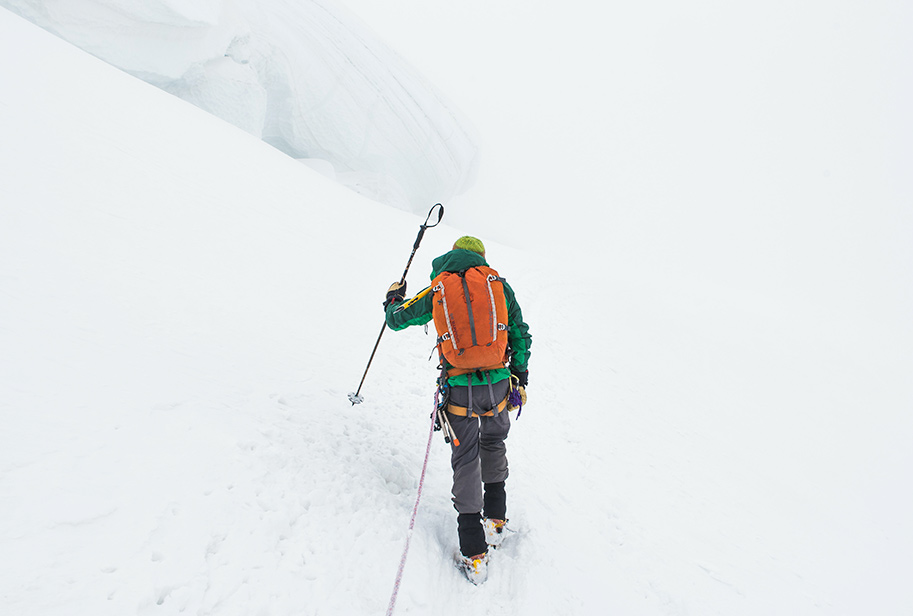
<point x="419" y="313"/>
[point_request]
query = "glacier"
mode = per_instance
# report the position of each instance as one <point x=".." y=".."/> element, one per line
<point x="309" y="78"/>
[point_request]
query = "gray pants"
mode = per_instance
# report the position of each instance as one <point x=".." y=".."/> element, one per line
<point x="482" y="454"/>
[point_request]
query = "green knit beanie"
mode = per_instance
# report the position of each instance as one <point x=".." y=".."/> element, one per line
<point x="467" y="242"/>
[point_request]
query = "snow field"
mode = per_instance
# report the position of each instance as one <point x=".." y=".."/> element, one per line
<point x="184" y="310"/>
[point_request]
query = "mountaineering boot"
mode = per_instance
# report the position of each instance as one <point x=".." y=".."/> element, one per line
<point x="475" y="568"/>
<point x="473" y="558"/>
<point x="494" y="531"/>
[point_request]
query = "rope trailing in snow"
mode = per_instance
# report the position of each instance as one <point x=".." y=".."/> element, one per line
<point x="421" y="482"/>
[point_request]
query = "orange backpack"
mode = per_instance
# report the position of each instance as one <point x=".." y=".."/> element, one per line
<point x="470" y="315"/>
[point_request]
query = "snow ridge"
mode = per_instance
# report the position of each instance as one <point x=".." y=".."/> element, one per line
<point x="307" y="77"/>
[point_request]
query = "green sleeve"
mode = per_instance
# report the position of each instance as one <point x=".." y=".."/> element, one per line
<point x="418" y="313"/>
<point x="518" y="336"/>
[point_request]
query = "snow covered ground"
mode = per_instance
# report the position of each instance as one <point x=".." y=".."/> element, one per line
<point x="719" y="417"/>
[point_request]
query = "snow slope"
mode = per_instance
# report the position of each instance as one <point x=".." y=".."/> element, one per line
<point x="306" y="76"/>
<point x="184" y="309"/>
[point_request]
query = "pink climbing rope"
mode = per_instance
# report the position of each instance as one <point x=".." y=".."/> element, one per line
<point x="421" y="482"/>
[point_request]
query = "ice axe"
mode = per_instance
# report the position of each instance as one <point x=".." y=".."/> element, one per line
<point x="417" y="297"/>
<point x="355" y="398"/>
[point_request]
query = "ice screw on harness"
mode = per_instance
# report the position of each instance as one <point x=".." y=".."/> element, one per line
<point x="441" y="421"/>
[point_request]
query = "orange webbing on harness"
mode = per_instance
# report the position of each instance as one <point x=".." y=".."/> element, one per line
<point x="462" y="411"/>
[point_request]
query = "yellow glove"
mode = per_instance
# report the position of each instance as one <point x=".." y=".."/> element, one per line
<point x="396" y="293"/>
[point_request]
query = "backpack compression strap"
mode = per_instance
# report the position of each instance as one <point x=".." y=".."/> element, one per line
<point x="452" y="371"/>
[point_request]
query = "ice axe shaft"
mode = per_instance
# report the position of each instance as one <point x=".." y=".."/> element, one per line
<point x="409" y="302"/>
<point x="355" y="398"/>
